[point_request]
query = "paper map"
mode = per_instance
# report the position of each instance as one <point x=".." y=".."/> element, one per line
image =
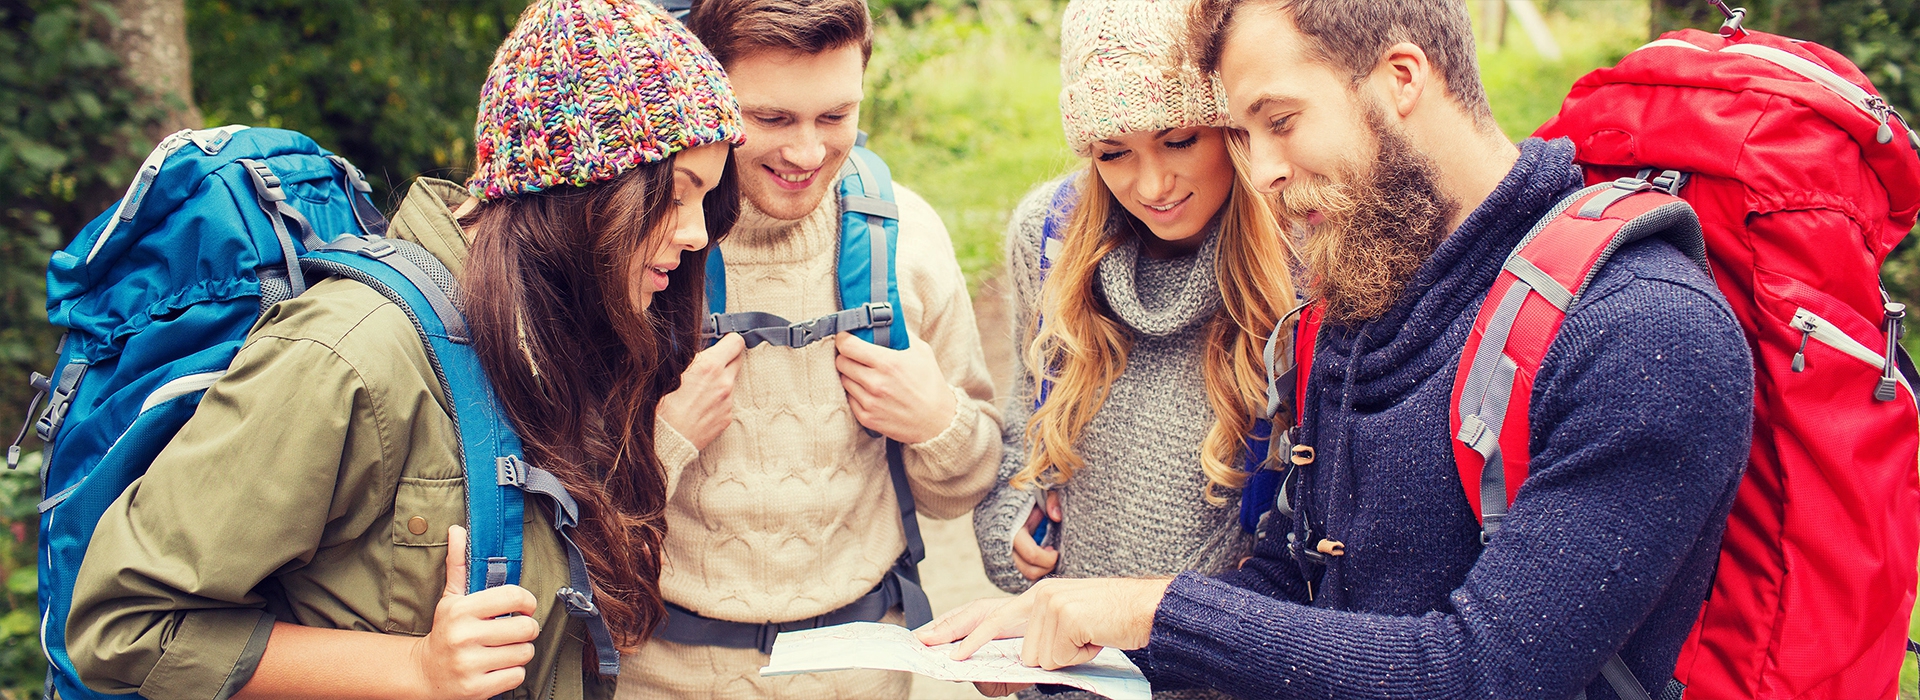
<point x="874" y="645"/>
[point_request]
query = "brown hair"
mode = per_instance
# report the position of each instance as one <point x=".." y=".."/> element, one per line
<point x="1352" y="36"/>
<point x="734" y="28"/>
<point x="579" y="370"/>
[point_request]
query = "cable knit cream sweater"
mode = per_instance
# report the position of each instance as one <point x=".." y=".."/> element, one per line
<point x="790" y="512"/>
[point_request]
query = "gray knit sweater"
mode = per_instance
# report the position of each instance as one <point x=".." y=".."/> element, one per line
<point x="1137" y="507"/>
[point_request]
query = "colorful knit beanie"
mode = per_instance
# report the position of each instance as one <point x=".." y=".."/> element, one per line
<point x="583" y="90"/>
<point x="1118" y="72"/>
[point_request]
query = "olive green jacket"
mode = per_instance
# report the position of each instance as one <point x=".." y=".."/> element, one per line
<point x="314" y="485"/>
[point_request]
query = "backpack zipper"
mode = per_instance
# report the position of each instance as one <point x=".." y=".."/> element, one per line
<point x="1873" y="105"/>
<point x="1813" y="326"/>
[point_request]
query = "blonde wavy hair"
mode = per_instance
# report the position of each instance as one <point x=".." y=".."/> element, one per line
<point x="1082" y="349"/>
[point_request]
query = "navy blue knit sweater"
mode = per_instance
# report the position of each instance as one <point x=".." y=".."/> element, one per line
<point x="1641" y="417"/>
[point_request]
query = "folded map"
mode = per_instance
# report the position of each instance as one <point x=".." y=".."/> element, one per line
<point x="874" y="645"/>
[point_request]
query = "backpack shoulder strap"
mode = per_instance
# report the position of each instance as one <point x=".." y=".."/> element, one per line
<point x="869" y="244"/>
<point x="421" y="286"/>
<point x="1543" y="277"/>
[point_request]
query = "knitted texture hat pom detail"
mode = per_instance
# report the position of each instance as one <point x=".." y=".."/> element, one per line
<point x="1119" y="72"/>
<point x="584" y="90"/>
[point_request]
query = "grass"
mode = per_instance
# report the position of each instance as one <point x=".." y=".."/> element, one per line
<point x="964" y="107"/>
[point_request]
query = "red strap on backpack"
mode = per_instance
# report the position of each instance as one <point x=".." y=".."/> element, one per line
<point x="1522" y="314"/>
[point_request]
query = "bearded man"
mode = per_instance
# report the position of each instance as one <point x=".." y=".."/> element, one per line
<point x="1369" y="122"/>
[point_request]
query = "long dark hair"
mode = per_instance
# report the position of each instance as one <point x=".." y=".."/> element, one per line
<point x="580" y="370"/>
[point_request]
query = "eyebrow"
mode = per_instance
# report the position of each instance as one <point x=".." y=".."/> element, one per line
<point x="697" y="182"/>
<point x="782" y="110"/>
<point x="1264" y="101"/>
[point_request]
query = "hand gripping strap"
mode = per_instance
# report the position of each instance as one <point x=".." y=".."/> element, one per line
<point x="1541" y="280"/>
<point x="413" y="279"/>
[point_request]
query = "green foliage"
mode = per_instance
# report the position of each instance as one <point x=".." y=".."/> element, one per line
<point x="22" y="665"/>
<point x="390" y="84"/>
<point x="963" y="104"/>
<point x="1526" y="89"/>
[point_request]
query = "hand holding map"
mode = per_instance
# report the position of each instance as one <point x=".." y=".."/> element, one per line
<point x="873" y="645"/>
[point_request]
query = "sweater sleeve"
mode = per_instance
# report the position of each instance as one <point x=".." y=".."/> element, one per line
<point x="952" y="470"/>
<point x="675" y="452"/>
<point x="997" y="520"/>
<point x="1641" y="426"/>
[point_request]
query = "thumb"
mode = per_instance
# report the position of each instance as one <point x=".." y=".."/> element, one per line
<point x="1053" y="506"/>
<point x="456" y="562"/>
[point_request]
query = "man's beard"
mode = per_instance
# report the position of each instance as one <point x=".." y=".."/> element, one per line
<point x="1380" y="226"/>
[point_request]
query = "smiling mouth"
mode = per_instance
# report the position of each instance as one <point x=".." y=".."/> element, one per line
<point x="793" y="179"/>
<point x="1168" y="207"/>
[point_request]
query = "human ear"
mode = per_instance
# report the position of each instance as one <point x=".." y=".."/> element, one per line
<point x="1405" y="73"/>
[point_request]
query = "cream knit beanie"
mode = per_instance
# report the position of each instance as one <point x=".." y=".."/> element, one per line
<point x="1118" y="72"/>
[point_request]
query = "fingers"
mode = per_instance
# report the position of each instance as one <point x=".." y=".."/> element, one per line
<point x="456" y="562"/>
<point x="1009" y="620"/>
<point x="1033" y="560"/>
<point x="1053" y="507"/>
<point x="956" y="623"/>
<point x="863" y="352"/>
<point x="727" y="350"/>
<point x="499" y="600"/>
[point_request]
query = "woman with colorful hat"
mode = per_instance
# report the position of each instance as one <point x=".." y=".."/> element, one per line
<point x="1144" y="290"/>
<point x="301" y="536"/>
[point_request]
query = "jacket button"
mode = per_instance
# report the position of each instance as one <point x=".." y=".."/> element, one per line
<point x="417" y="525"/>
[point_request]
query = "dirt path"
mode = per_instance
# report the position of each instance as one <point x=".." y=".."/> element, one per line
<point x="952" y="572"/>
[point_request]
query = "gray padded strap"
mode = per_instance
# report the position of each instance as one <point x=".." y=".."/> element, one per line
<point x="1549" y="288"/>
<point x="871" y="206"/>
<point x="1272" y="360"/>
<point x="877" y="243"/>
<point x="439" y="297"/>
<point x="1483" y="407"/>
<point x="1597" y="207"/>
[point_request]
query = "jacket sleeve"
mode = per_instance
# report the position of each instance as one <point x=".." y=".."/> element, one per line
<point x="999" y="517"/>
<point x="1631" y="479"/>
<point x="952" y="470"/>
<point x="166" y="602"/>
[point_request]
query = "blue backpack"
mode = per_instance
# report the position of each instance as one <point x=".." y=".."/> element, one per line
<point x="1262" y="484"/>
<point x="158" y="294"/>
<point x="870" y="309"/>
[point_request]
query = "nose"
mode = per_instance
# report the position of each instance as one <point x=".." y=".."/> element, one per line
<point x="1267" y="163"/>
<point x="690" y="231"/>
<point x="806" y="152"/>
<point x="1156" y="181"/>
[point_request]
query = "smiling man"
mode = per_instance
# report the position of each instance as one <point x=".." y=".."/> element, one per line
<point x="782" y="512"/>
<point x="1368" y="121"/>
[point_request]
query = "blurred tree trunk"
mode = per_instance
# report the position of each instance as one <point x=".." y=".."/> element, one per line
<point x="151" y="42"/>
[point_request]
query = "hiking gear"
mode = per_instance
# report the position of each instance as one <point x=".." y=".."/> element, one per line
<point x="1804" y="180"/>
<point x="685" y="626"/>
<point x="1794" y="611"/>
<point x="584" y="90"/>
<point x="1257" y="496"/>
<point x="871" y="310"/>
<point x="159" y="293"/>
<point x="1114" y="75"/>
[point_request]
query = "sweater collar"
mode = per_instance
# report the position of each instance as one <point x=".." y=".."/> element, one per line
<point x="761" y="239"/>
<point x="1395" y="352"/>
<point x="1196" y="300"/>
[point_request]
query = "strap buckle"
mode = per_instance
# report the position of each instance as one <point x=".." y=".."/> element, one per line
<point x="804" y="333"/>
<point x="62" y="399"/>
<point x="879" y="313"/>
<point x="510" y="471"/>
<point x="578" y="604"/>
<point x="265" y="183"/>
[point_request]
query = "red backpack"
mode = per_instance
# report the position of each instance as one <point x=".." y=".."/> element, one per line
<point x="1803" y="181"/>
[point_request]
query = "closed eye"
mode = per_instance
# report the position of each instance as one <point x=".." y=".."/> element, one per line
<point x="1184" y="143"/>
<point x="1112" y="156"/>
